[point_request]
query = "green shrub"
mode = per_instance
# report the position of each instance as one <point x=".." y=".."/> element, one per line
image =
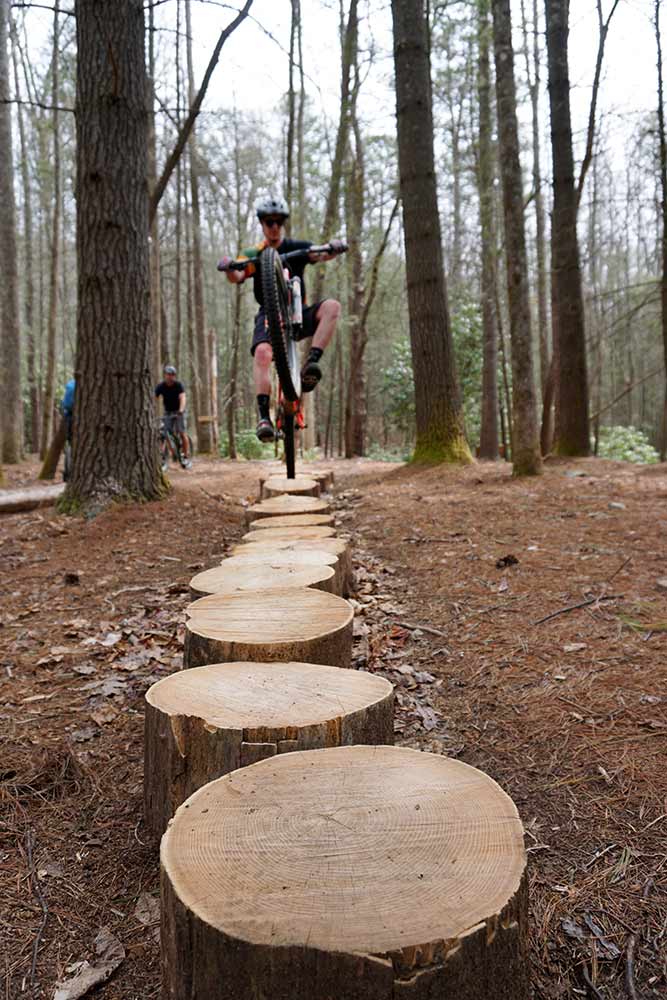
<point x="247" y="446"/>
<point x="626" y="444"/>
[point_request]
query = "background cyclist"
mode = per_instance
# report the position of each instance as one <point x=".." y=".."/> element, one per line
<point x="173" y="397"/>
<point x="319" y="320"/>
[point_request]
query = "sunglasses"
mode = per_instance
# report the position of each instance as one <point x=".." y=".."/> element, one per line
<point x="273" y="222"/>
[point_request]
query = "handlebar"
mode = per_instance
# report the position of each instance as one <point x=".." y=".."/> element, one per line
<point x="240" y="265"/>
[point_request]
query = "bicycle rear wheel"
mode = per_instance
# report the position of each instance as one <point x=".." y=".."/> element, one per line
<point x="276" y="308"/>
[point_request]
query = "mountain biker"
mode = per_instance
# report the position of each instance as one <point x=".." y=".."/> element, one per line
<point x="173" y="398"/>
<point x="67" y="406"/>
<point x="319" y="319"/>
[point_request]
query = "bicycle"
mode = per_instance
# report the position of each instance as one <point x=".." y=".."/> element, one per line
<point x="170" y="444"/>
<point x="283" y="307"/>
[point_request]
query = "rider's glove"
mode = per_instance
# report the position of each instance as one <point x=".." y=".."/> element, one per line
<point x="224" y="262"/>
<point x="338" y="246"/>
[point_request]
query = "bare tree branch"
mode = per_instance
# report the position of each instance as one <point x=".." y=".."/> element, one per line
<point x="194" y="111"/>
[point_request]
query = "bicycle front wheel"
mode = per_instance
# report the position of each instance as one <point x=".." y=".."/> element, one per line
<point x="276" y="308"/>
<point x="290" y="449"/>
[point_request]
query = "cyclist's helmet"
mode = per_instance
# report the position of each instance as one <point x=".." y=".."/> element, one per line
<point x="271" y="206"/>
<point x="169" y="370"/>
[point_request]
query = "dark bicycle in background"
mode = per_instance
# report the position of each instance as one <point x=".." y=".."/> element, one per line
<point x="283" y="307"/>
<point x="170" y="445"/>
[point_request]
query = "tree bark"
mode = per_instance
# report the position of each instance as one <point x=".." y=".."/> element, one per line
<point x="488" y="439"/>
<point x="572" y="424"/>
<point x="11" y="430"/>
<point x="115" y="451"/>
<point x="663" y="220"/>
<point x="525" y="440"/>
<point x="439" y="417"/>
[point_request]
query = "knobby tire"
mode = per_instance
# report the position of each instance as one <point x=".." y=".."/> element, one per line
<point x="290" y="448"/>
<point x="276" y="309"/>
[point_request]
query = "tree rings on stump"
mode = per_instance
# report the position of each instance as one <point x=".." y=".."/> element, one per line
<point x="292" y="521"/>
<point x="300" y="486"/>
<point x="284" y="505"/>
<point x="306" y="625"/>
<point x="364" y="873"/>
<point x="274" y="570"/>
<point x="203" y="723"/>
<point x="336" y="547"/>
<point x="286" y="534"/>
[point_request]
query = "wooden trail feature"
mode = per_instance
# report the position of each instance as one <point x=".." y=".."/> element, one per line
<point x="300" y="486"/>
<point x="363" y="873"/>
<point x="305" y="625"/>
<point x="283" y="505"/>
<point x="325" y="477"/>
<point x="282" y="534"/>
<point x="15" y="501"/>
<point x="208" y="721"/>
<point x="271" y="571"/>
<point x="336" y="547"/>
<point x="292" y="521"/>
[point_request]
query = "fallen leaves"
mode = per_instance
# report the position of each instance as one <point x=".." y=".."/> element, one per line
<point x="109" y="953"/>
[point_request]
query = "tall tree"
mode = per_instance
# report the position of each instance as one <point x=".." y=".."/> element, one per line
<point x="663" y="220"/>
<point x="525" y="439"/>
<point x="488" y="439"/>
<point x="572" y="419"/>
<point x="439" y="417"/>
<point x="115" y="449"/>
<point x="12" y="417"/>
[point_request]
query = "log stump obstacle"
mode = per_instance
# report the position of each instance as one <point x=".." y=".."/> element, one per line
<point x="324" y="477"/>
<point x="291" y="521"/>
<point x="284" y="505"/>
<point x="351" y="872"/>
<point x="336" y="547"/>
<point x="203" y="723"/>
<point x="269" y="569"/>
<point x="301" y="486"/>
<point x="302" y="624"/>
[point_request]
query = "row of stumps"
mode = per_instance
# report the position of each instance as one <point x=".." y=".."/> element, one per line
<point x="303" y="855"/>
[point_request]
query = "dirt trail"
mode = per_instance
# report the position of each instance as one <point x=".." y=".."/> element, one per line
<point x="568" y="714"/>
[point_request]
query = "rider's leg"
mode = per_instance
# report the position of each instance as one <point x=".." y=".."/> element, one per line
<point x="326" y="318"/>
<point x="261" y="370"/>
<point x="185" y="445"/>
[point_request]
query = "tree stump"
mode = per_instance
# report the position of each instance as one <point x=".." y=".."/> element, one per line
<point x="324" y="477"/>
<point x="203" y="723"/>
<point x="363" y="873"/>
<point x="306" y="625"/>
<point x="285" y="534"/>
<point x="292" y="521"/>
<point x="301" y="486"/>
<point x="271" y="572"/>
<point x="284" y="505"/>
<point x="337" y="547"/>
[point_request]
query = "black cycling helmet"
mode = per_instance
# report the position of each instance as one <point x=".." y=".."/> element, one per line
<point x="271" y="206"/>
<point x="169" y="370"/>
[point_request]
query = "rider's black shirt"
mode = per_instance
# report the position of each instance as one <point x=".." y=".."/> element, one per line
<point x="170" y="394"/>
<point x="295" y="267"/>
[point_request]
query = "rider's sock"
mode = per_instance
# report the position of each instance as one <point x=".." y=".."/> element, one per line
<point x="314" y="354"/>
<point x="263" y="406"/>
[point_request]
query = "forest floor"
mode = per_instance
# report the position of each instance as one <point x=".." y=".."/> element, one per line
<point x="523" y="622"/>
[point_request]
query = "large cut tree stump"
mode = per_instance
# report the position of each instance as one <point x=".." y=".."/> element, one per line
<point x="336" y="547"/>
<point x="363" y="873"/>
<point x="323" y="477"/>
<point x="292" y="521"/>
<point x="284" y="505"/>
<point x="282" y="534"/>
<point x="205" y="722"/>
<point x="272" y="571"/>
<point x="308" y="625"/>
<point x="300" y="486"/>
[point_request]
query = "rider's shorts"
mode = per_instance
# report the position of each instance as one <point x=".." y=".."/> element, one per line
<point x="261" y="334"/>
<point x="175" y="422"/>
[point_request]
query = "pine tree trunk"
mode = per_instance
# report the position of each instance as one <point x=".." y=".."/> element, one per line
<point x="488" y="439"/>
<point x="572" y="423"/>
<point x="50" y="378"/>
<point x="439" y="417"/>
<point x="115" y="447"/>
<point x="156" y="290"/>
<point x="11" y="429"/>
<point x="663" y="219"/>
<point x="525" y="440"/>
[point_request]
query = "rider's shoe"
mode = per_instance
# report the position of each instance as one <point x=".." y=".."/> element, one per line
<point x="311" y="373"/>
<point x="265" y="431"/>
<point x="187" y="464"/>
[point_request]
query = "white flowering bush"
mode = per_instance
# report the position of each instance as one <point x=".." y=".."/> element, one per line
<point x="626" y="444"/>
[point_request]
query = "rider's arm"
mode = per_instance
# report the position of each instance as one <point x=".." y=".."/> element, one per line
<point x="181" y="402"/>
<point x="337" y="247"/>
